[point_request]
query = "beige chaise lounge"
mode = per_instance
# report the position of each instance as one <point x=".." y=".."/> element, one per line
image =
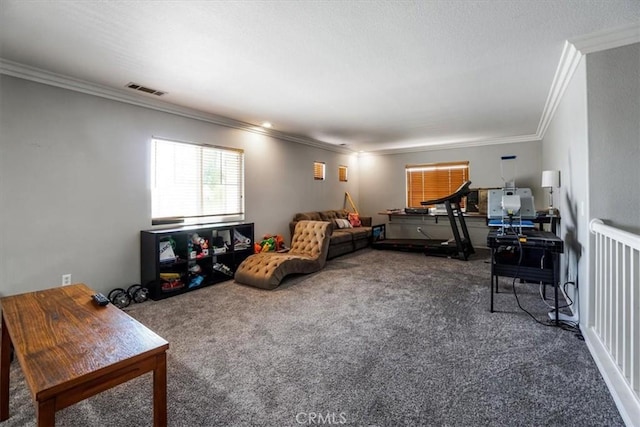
<point x="308" y="253"/>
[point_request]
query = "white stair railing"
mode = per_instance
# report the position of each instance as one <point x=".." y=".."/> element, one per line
<point x="613" y="333"/>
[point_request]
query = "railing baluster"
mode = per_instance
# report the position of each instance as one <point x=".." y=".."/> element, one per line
<point x="616" y="299"/>
<point x="634" y="321"/>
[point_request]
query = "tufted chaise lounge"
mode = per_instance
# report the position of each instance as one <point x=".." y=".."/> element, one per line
<point x="308" y="253"/>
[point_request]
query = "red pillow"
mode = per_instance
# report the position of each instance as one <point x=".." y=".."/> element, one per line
<point x="354" y="219"/>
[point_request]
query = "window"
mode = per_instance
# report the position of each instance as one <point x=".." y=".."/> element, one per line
<point x="342" y="173"/>
<point x="194" y="181"/>
<point x="433" y="181"/>
<point x="318" y="171"/>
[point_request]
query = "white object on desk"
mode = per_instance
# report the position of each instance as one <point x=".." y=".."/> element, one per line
<point x="550" y="180"/>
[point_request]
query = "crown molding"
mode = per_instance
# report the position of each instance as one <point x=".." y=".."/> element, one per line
<point x="25" y="72"/>
<point x="457" y="144"/>
<point x="569" y="61"/>
<point x="609" y="39"/>
<point x="22" y="71"/>
<point x="572" y="53"/>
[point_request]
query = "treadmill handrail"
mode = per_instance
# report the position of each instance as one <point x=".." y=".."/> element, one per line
<point x="462" y="191"/>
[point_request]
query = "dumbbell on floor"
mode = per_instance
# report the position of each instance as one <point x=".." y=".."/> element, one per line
<point x="120" y="298"/>
<point x="123" y="298"/>
<point x="138" y="293"/>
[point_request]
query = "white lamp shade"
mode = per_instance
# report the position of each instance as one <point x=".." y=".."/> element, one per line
<point x="550" y="179"/>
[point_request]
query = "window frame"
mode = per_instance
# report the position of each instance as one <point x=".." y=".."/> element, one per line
<point x="202" y="203"/>
<point x="319" y="171"/>
<point x="343" y="173"/>
<point x="426" y="181"/>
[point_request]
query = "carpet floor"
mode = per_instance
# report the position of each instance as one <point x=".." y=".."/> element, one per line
<point x="377" y="338"/>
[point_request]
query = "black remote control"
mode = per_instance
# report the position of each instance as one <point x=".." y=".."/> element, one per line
<point x="100" y="299"/>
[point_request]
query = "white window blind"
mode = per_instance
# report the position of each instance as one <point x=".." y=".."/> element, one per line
<point x="190" y="181"/>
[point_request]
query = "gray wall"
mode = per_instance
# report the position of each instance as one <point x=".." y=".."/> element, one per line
<point x="74" y="183"/>
<point x="613" y="85"/>
<point x="74" y="178"/>
<point x="565" y="148"/>
<point x="594" y="140"/>
<point x="383" y="182"/>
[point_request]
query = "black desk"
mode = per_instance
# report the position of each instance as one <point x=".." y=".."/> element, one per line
<point x="540" y="258"/>
<point x="552" y="220"/>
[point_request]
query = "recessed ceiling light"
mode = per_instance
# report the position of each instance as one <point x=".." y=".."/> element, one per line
<point x="266" y="125"/>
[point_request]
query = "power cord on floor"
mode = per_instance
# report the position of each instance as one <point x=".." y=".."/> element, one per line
<point x="562" y="324"/>
<point x="517" y="273"/>
<point x="566" y="325"/>
<point x="564" y="290"/>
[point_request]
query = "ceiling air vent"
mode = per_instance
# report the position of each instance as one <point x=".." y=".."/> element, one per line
<point x="141" y="88"/>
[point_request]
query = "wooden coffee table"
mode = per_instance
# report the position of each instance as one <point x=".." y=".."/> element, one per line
<point x="70" y="348"/>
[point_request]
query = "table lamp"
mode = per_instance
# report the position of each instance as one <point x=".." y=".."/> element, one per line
<point x="551" y="180"/>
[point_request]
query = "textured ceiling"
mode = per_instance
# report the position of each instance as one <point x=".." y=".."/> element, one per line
<point x="375" y="75"/>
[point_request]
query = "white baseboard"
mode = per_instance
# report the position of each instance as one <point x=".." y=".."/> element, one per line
<point x="626" y="400"/>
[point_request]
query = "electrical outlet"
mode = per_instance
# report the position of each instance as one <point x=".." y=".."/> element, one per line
<point x="66" y="279"/>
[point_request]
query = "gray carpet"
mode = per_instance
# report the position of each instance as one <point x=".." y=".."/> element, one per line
<point x="377" y="338"/>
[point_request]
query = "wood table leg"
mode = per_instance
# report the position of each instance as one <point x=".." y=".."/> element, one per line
<point x="160" y="391"/>
<point x="46" y="413"/>
<point x="5" y="364"/>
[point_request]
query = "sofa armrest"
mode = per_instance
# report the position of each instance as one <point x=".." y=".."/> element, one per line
<point x="366" y="221"/>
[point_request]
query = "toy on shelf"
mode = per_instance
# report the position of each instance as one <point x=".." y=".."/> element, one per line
<point x="166" y="250"/>
<point x="198" y="247"/>
<point x="204" y="245"/>
<point x="223" y="269"/>
<point x="171" y="282"/>
<point x="196" y="281"/>
<point x="195" y="269"/>
<point x="220" y="246"/>
<point x="240" y="241"/>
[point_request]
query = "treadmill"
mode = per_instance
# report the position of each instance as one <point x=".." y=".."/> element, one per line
<point x="458" y="247"/>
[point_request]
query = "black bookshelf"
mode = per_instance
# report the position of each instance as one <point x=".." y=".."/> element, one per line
<point x="182" y="259"/>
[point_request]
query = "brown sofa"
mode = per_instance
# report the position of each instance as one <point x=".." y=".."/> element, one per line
<point x="343" y="240"/>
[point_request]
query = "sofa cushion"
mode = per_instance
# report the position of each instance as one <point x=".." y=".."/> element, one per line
<point x="357" y="232"/>
<point x="342" y="223"/>
<point x="333" y="214"/>
<point x="354" y="219"/>
<point x="311" y="216"/>
<point x="340" y="236"/>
